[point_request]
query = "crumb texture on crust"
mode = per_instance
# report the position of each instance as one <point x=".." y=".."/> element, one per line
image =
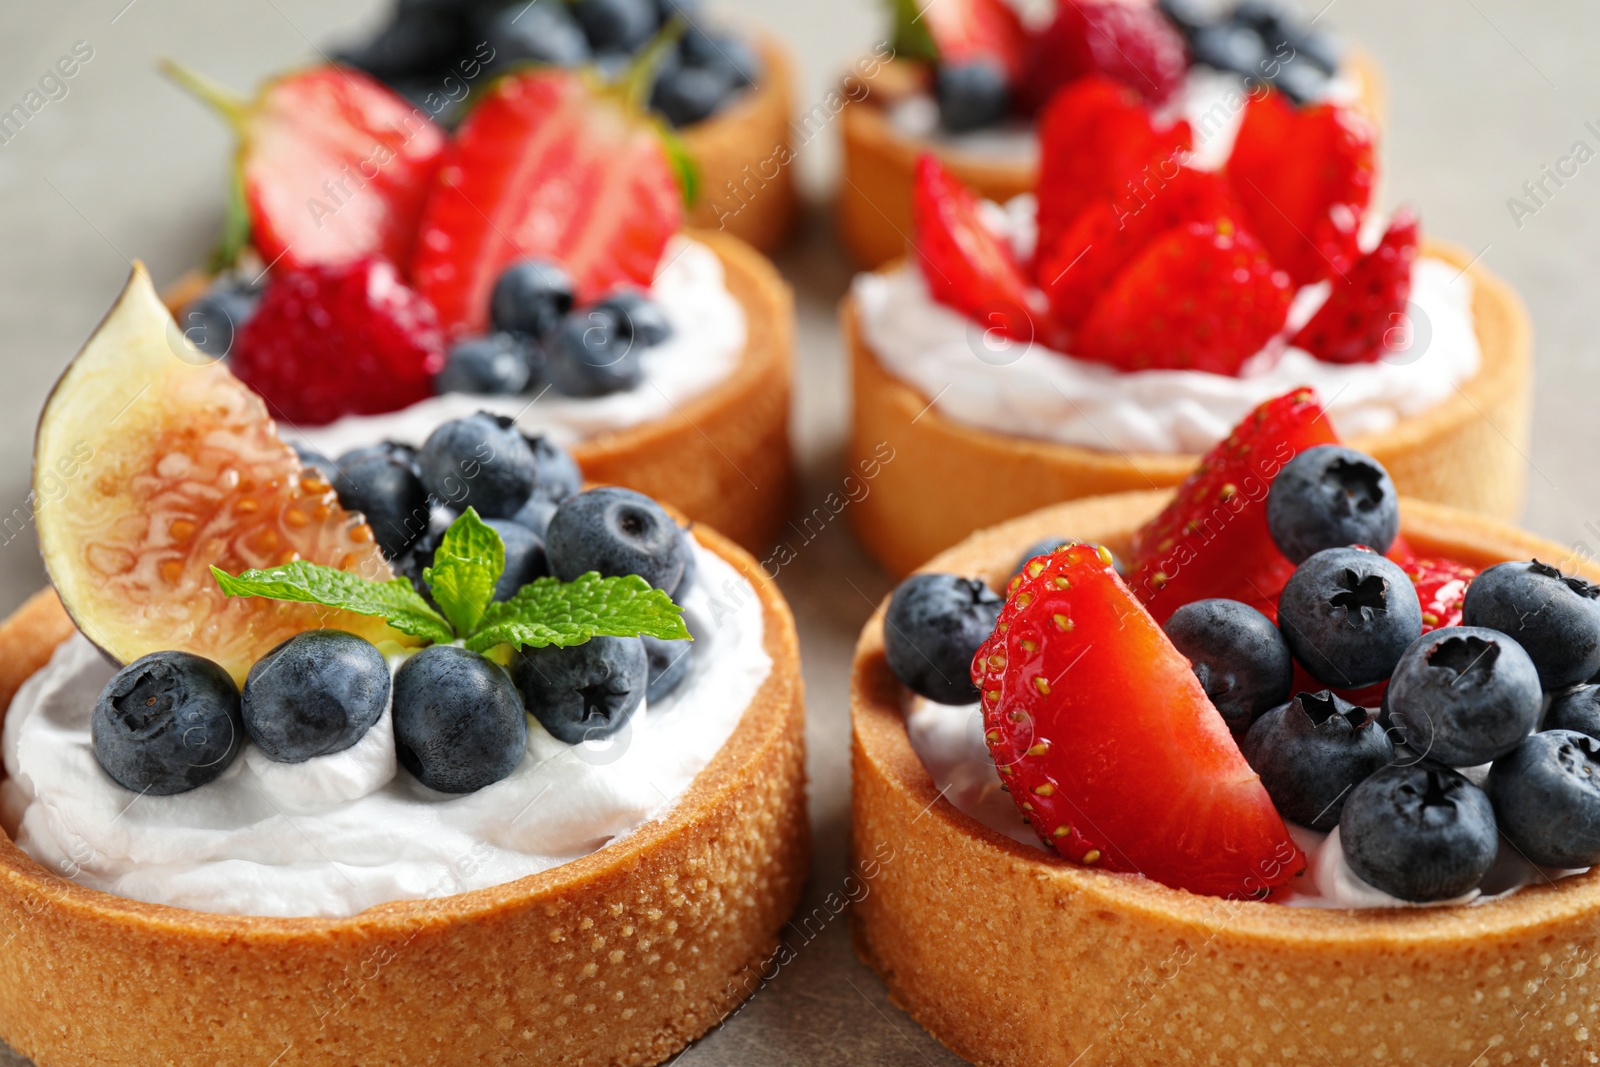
<point x="622" y="957"/>
<point x="1468" y="451"/>
<point x="1013" y="958"/>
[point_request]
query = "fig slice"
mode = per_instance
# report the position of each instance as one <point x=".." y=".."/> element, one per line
<point x="153" y="462"/>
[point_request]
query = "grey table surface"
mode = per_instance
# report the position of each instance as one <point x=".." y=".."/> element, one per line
<point x="1484" y="96"/>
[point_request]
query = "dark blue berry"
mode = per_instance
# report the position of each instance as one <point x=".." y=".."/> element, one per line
<point x="1187" y="15"/>
<point x="536" y="515"/>
<point x="496" y="364"/>
<point x="595" y="355"/>
<point x="167" y="723"/>
<point x="1301" y="81"/>
<point x="1552" y="616"/>
<point x="669" y="662"/>
<point x="1464" y="695"/>
<point x="1419" y="832"/>
<point x="724" y="53"/>
<point x="398" y="451"/>
<point x="479" y="462"/>
<point x="1547" y="798"/>
<point x="1312" y="751"/>
<point x="1042" y="547"/>
<point x="419" y="40"/>
<point x="459" y="724"/>
<point x="972" y="95"/>
<point x="1239" y="656"/>
<point x="1285" y="35"/>
<point x="211" y="320"/>
<point x="585" y="692"/>
<point x="1348" y="616"/>
<point x="688" y="10"/>
<point x="312" y="460"/>
<point x="383" y="486"/>
<point x="1332" y="497"/>
<point x="538" y="33"/>
<point x="317" y="693"/>
<point x="616" y="532"/>
<point x="616" y="25"/>
<point x="1577" y="708"/>
<point x="641" y="318"/>
<point x="931" y="631"/>
<point x="525" y="557"/>
<point x="686" y="95"/>
<point x="1231" y="47"/>
<point x="691" y="568"/>
<point x="556" y="473"/>
<point x="531" y="297"/>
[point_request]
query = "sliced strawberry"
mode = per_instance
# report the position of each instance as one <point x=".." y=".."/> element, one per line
<point x="966" y="265"/>
<point x="334" y="167"/>
<point x="1109" y="234"/>
<point x="1131" y="42"/>
<point x="1364" y="316"/>
<point x="965" y="30"/>
<point x="1109" y="745"/>
<point x="1304" y="177"/>
<point x="1442" y="588"/>
<point x="1097" y="143"/>
<point x="1203" y="296"/>
<point x="1212" y="539"/>
<point x="545" y="166"/>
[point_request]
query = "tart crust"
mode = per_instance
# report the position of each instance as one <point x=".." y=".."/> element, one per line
<point x="1468" y="451"/>
<point x="1013" y="957"/>
<point x="622" y="957"/>
<point x="873" y="213"/>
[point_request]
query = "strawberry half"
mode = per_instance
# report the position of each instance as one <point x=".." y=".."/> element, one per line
<point x="1109" y="745"/>
<point x="546" y="166"/>
<point x="964" y="30"/>
<point x="1304" y="177"/>
<point x="1203" y="296"/>
<point x="966" y="265"/>
<point x="1212" y="539"/>
<point x="333" y="166"/>
<point x="1132" y="43"/>
<point x="1368" y="302"/>
<point x="1442" y="589"/>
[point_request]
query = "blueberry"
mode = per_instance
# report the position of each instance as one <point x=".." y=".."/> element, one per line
<point x="384" y="487"/>
<point x="1042" y="547"/>
<point x="398" y="451"/>
<point x="691" y="567"/>
<point x="479" y="462"/>
<point x="1240" y="658"/>
<point x="312" y="460"/>
<point x="687" y="95"/>
<point x="972" y="95"/>
<point x="536" y="514"/>
<point x="317" y="693"/>
<point x="211" y="320"/>
<point x="556" y="473"/>
<point x="167" y="723"/>
<point x="585" y="692"/>
<point x="1547" y="798"/>
<point x="525" y="557"/>
<point x="669" y="662"/>
<point x="1577" y="708"/>
<point x="1301" y="82"/>
<point x="1419" y="832"/>
<point x="419" y="40"/>
<point x="644" y="320"/>
<point x="538" y="33"/>
<point x="1312" y="751"/>
<point x="531" y="297"/>
<point x="931" y="631"/>
<point x="723" y="53"/>
<point x="1553" y="617"/>
<point x="1285" y="34"/>
<point x="459" y="724"/>
<point x="1331" y="497"/>
<point x="621" y="25"/>
<point x="616" y="532"/>
<point x="594" y="355"/>
<point x="495" y="364"/>
<point x="1187" y="15"/>
<point x="667" y="10"/>
<point x="1348" y="616"/>
<point x="1231" y="47"/>
<point x="1464" y="695"/>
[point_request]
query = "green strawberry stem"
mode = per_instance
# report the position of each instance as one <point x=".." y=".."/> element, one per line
<point x="640" y="76"/>
<point x="221" y="99"/>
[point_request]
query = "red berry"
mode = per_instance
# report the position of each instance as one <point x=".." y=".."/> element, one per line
<point x="1130" y="42"/>
<point x="966" y="30"/>
<point x="1304" y="177"/>
<point x="1108" y="743"/>
<point x="1203" y="296"/>
<point x="1442" y="589"/>
<point x="546" y="167"/>
<point x="1369" y="302"/>
<point x="345" y="339"/>
<point x="1212" y="539"/>
<point x="967" y="266"/>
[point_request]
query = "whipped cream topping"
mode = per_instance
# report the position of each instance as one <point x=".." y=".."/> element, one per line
<point x="708" y="339"/>
<point x="338" y="834"/>
<point x="948" y="738"/>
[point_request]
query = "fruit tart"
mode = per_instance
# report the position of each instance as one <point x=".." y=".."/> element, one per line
<point x="265" y="800"/>
<point x="1305" y="772"/>
<point x="381" y="276"/>
<point x="1101" y="334"/>
<point x="969" y="81"/>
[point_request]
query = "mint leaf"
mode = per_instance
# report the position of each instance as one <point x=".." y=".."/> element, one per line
<point x="310" y="583"/>
<point x="551" y="612"/>
<point x="467" y="563"/>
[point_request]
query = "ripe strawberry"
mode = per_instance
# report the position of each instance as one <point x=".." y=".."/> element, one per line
<point x="1202" y="296"/>
<point x="1442" y="588"/>
<point x="961" y="31"/>
<point x="1212" y="539"/>
<point x="1133" y="43"/>
<point x="1304" y="177"/>
<point x="333" y="166"/>
<point x="1095" y="139"/>
<point x="1109" y="745"/>
<point x="347" y="339"/>
<point x="1368" y="302"/>
<point x="548" y="167"/>
<point x="966" y="265"/>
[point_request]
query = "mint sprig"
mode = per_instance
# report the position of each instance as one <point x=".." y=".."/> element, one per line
<point x="467" y="564"/>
